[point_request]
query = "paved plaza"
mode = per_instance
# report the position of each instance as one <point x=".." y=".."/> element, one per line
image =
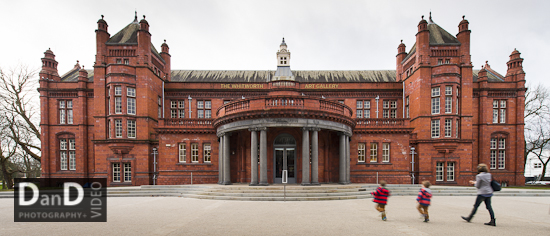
<point x="183" y="216"/>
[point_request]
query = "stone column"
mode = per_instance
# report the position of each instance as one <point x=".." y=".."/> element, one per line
<point x="305" y="156"/>
<point x="348" y="177"/>
<point x="253" y="157"/>
<point x="342" y="163"/>
<point x="315" y="156"/>
<point x="263" y="156"/>
<point x="226" y="159"/>
<point x="220" y="160"/>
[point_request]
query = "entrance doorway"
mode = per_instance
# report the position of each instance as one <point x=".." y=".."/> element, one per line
<point x="284" y="158"/>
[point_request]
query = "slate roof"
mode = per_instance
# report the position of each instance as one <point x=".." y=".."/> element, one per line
<point x="492" y="76"/>
<point x="128" y="35"/>
<point x="318" y="76"/>
<point x="439" y="36"/>
<point x="72" y="75"/>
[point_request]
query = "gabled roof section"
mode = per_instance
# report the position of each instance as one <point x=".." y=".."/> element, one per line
<point x="492" y="76"/>
<point x="72" y="76"/>
<point x="228" y="76"/>
<point x="128" y="35"/>
<point x="439" y="36"/>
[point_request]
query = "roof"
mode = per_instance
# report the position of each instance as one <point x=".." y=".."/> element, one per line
<point x="492" y="76"/>
<point x="229" y="76"/>
<point x="72" y="76"/>
<point x="440" y="36"/>
<point x="128" y="35"/>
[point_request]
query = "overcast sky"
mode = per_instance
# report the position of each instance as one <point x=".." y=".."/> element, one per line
<point x="245" y="35"/>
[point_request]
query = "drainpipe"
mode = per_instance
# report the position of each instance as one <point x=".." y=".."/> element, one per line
<point x="163" y="98"/>
<point x="154" y="166"/>
<point x="190" y="111"/>
<point x="412" y="164"/>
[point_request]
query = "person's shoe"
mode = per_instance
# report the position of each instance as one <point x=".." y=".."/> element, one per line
<point x="426" y="219"/>
<point x="467" y="218"/>
<point x="384" y="216"/>
<point x="491" y="223"/>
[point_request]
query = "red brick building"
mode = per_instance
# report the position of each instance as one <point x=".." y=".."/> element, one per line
<point x="226" y="127"/>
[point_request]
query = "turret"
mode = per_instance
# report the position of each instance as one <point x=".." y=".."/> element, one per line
<point x="423" y="42"/>
<point x="283" y="64"/>
<point x="464" y="37"/>
<point x="49" y="67"/>
<point x="166" y="57"/>
<point x="482" y="77"/>
<point x="401" y="54"/>
<point x="102" y="35"/>
<point x="82" y="78"/>
<point x="144" y="42"/>
<point x="515" y="71"/>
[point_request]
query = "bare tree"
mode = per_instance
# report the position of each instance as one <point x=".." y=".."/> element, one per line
<point x="537" y="123"/>
<point x="8" y="150"/>
<point x="19" y="103"/>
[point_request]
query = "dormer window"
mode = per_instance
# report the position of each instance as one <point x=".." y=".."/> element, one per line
<point x="283" y="60"/>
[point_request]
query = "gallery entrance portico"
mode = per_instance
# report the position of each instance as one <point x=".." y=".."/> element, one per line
<point x="284" y="152"/>
<point x="284" y="158"/>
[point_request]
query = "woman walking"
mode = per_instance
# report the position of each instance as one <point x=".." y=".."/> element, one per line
<point x="484" y="193"/>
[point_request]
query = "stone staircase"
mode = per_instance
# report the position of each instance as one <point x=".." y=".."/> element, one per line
<point x="243" y="192"/>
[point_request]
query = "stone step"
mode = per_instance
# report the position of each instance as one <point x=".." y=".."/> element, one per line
<point x="274" y="198"/>
<point x="281" y="191"/>
<point x="295" y="194"/>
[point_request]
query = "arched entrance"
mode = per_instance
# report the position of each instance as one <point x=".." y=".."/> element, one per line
<point x="284" y="158"/>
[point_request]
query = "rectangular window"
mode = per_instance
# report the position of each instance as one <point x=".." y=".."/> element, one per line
<point x="448" y="128"/>
<point x="537" y="165"/>
<point x="385" y="152"/>
<point x="390" y="107"/>
<point x="177" y="109"/>
<point x="131" y="129"/>
<point x="493" y="163"/>
<point x="131" y="106"/>
<point x="386" y="104"/>
<point x="118" y="128"/>
<point x="501" y="159"/>
<point x="435" y="92"/>
<point x="448" y="104"/>
<point x="499" y="113"/>
<point x="194" y="152"/>
<point x="131" y="92"/>
<point x="435" y="105"/>
<point x="448" y="90"/>
<point x="118" y="61"/>
<point x="440" y="61"/>
<point x="374" y="152"/>
<point x="457" y="98"/>
<point x="72" y="155"/>
<point x="126" y="62"/>
<point x="359" y="113"/>
<point x="110" y="130"/>
<point x="118" y="91"/>
<point x="393" y="104"/>
<point x="439" y="171"/>
<point x="359" y="109"/>
<point x="361" y="152"/>
<point x="407" y="115"/>
<point x="69" y="111"/>
<point x="204" y="109"/>
<point x="62" y="110"/>
<point x="493" y="143"/>
<point x="116" y="172"/>
<point x="393" y="113"/>
<point x="207" y="152"/>
<point x="435" y="128"/>
<point x="127" y="172"/>
<point x="63" y="154"/>
<point x="182" y="152"/>
<point x="457" y="128"/>
<point x="159" y="100"/>
<point x="118" y="105"/>
<point x="385" y="113"/>
<point x="363" y="109"/>
<point x="447" y="61"/>
<point x="450" y="171"/>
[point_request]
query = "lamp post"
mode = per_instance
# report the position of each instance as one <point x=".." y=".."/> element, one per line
<point x="412" y="164"/>
<point x="154" y="166"/>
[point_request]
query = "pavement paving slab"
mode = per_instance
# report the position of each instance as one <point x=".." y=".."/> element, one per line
<point x="185" y="216"/>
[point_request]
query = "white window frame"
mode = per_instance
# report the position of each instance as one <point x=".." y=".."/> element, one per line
<point x="182" y="152"/>
<point x="131" y="128"/>
<point x="448" y="90"/>
<point x="435" y="105"/>
<point x="116" y="172"/>
<point x="448" y="104"/>
<point x="373" y="152"/>
<point x="63" y="153"/>
<point x="127" y="172"/>
<point x="439" y="171"/>
<point x="450" y="171"/>
<point x="62" y="111"/>
<point x="131" y="106"/>
<point x="207" y="152"/>
<point x="118" y="128"/>
<point x="69" y="111"/>
<point x="361" y="152"/>
<point x="72" y="154"/>
<point x="194" y="152"/>
<point x="385" y="152"/>
<point x="448" y="128"/>
<point x="435" y="129"/>
<point x="435" y="92"/>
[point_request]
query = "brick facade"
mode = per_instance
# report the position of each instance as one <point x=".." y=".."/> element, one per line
<point x="132" y="104"/>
